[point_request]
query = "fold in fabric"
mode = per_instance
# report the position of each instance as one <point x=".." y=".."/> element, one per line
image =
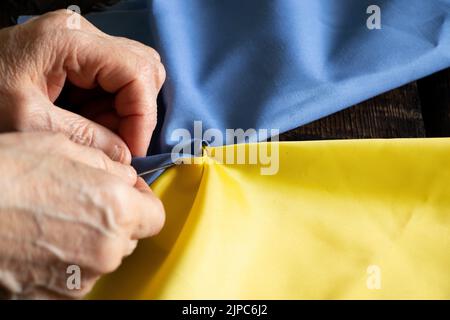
<point x="278" y="64"/>
<point x="336" y="215"/>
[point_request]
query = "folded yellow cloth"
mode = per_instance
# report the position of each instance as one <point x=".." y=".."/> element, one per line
<point x="359" y="219"/>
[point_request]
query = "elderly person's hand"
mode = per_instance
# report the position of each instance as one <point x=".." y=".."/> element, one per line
<point x="113" y="81"/>
<point x="63" y="204"/>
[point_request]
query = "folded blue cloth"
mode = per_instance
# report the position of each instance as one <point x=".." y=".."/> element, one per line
<point x="277" y="64"/>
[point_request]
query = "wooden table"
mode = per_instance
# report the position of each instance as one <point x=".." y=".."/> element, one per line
<point x="419" y="109"/>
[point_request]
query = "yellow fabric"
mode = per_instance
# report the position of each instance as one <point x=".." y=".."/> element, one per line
<point x="315" y="230"/>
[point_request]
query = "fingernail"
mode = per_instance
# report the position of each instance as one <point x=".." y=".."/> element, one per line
<point x="118" y="153"/>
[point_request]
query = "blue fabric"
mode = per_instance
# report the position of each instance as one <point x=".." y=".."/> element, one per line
<point x="278" y="63"/>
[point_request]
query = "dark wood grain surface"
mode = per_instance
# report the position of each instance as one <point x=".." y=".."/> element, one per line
<point x="419" y="109"/>
<point x="395" y="114"/>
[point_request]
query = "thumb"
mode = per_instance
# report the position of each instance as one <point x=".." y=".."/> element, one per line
<point x="86" y="132"/>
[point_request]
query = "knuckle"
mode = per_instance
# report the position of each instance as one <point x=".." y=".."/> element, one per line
<point x="143" y="49"/>
<point x="115" y="195"/>
<point x="50" y="21"/>
<point x="108" y="254"/>
<point x="119" y="204"/>
<point x="122" y="216"/>
<point x="154" y="54"/>
<point x="57" y="17"/>
<point x="54" y="25"/>
<point x="152" y="66"/>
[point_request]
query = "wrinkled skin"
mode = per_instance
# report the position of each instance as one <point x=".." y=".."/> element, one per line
<point x="65" y="204"/>
<point x="112" y="81"/>
<point x="68" y="195"/>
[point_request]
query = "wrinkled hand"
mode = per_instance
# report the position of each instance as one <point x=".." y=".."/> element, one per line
<point x="64" y="204"/>
<point x="112" y="81"/>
